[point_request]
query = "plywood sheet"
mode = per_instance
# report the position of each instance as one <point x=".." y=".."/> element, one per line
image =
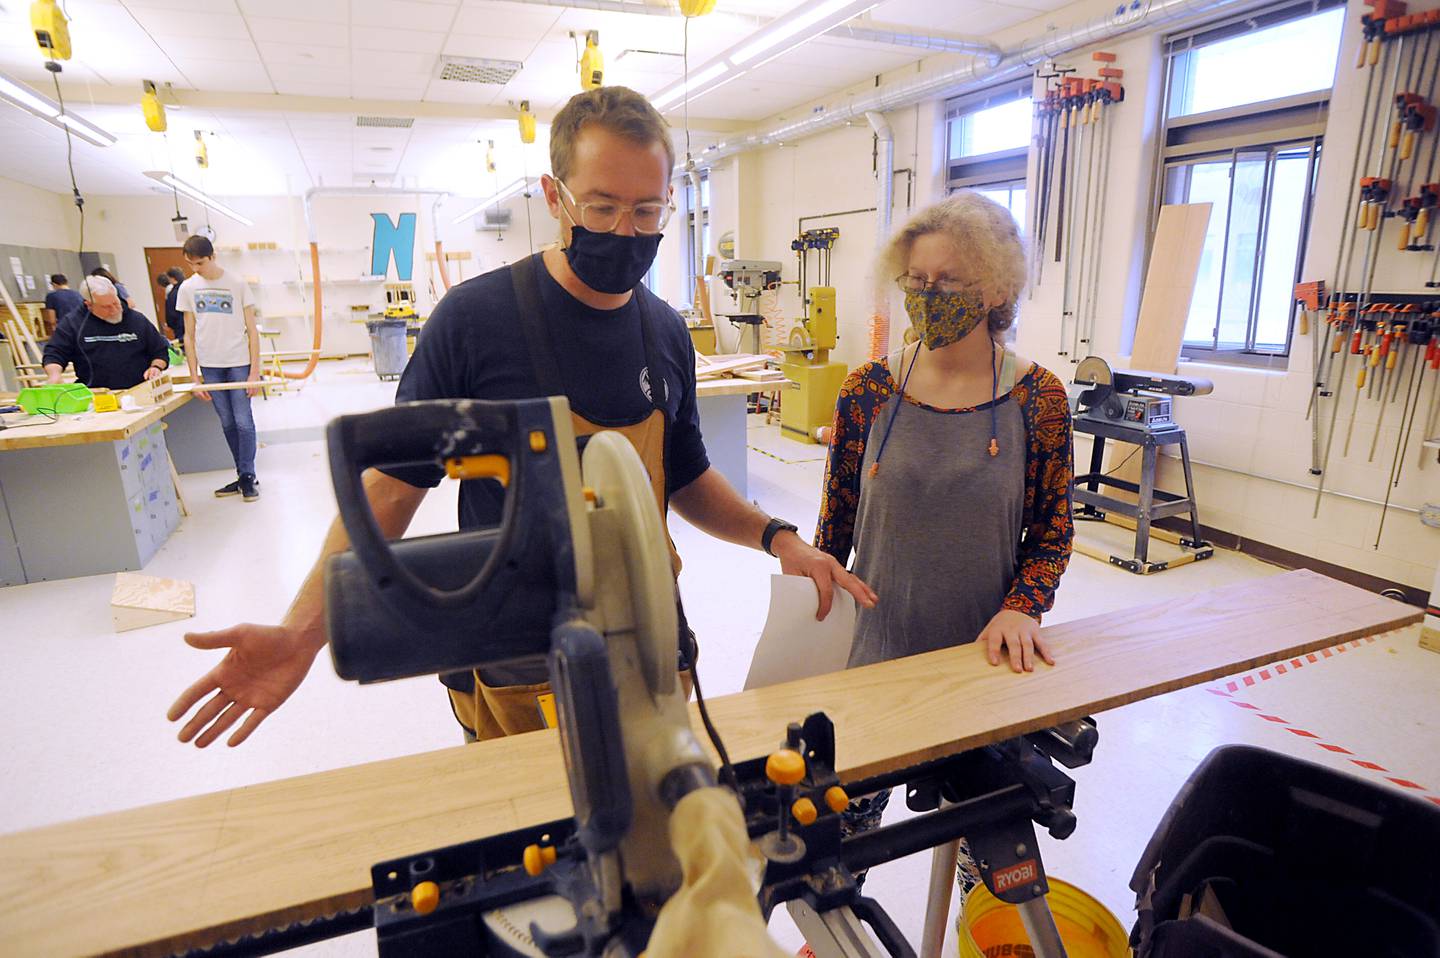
<point x="1164" y="307"/>
<point x="138" y="601"/>
<point x="191" y="872"/>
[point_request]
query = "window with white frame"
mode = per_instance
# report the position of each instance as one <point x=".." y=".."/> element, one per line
<point x="691" y="209"/>
<point x="987" y="142"/>
<point x="1245" y="110"/>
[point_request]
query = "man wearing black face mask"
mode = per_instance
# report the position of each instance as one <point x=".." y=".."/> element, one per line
<point x="573" y="320"/>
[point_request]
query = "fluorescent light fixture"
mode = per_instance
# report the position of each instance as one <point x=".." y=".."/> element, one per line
<point x="19" y="95"/>
<point x="712" y="72"/>
<point x="197" y="195"/>
<point x="499" y="197"/>
<point x="776" y="32"/>
<point x="775" y="38"/>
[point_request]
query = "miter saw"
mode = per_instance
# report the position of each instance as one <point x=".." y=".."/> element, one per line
<point x="578" y="573"/>
<point x="1123" y="396"/>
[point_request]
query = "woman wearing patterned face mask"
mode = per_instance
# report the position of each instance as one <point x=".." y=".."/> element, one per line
<point x="950" y="463"/>
<point x="949" y="466"/>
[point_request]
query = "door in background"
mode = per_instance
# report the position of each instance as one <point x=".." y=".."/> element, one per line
<point x="157" y="260"/>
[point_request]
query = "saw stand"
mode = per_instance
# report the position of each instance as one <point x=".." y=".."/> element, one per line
<point x="994" y="796"/>
<point x="1093" y="505"/>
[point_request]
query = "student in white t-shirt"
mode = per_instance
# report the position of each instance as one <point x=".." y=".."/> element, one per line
<point x="222" y="345"/>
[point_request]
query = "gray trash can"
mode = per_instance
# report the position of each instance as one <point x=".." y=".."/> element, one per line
<point x="387" y="346"/>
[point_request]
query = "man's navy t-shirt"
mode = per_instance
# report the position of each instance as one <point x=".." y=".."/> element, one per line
<point x="473" y="347"/>
<point x="63" y="302"/>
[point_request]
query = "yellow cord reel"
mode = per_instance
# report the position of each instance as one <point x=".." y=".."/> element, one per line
<point x="527" y="123"/>
<point x="696" y="8"/>
<point x="153" y="109"/>
<point x="592" y="62"/>
<point x="51" y="29"/>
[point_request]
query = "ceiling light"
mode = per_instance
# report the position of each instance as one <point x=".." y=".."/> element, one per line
<point x="499" y="197"/>
<point x="19" y="95"/>
<point x="775" y="33"/>
<point x="197" y="195"/>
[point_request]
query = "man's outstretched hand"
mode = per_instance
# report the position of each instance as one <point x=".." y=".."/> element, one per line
<point x="265" y="664"/>
<point x="798" y="557"/>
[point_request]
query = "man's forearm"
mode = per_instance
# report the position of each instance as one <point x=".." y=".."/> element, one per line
<point x="394" y="504"/>
<point x="712" y="505"/>
<point x="190" y="360"/>
<point x="53" y="372"/>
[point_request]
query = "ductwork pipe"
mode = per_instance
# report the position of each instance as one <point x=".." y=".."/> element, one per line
<point x="697" y="233"/>
<point x="312" y="232"/>
<point x="1015" y="62"/>
<point x="936" y="42"/>
<point x="884" y="200"/>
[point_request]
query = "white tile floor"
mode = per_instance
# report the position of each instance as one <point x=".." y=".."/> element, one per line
<point x="82" y="708"/>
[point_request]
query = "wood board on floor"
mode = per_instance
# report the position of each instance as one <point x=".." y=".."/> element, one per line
<point x="192" y="872"/>
<point x="138" y="601"/>
<point x="1164" y="308"/>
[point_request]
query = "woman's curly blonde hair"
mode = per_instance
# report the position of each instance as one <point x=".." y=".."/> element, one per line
<point x="988" y="238"/>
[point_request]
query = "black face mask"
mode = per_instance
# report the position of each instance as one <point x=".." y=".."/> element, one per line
<point x="609" y="262"/>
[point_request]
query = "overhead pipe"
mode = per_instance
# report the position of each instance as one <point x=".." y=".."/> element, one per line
<point x="884" y="200"/>
<point x="312" y="233"/>
<point x="1013" y="63"/>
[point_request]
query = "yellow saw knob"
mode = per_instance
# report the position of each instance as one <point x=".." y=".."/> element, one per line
<point x="804" y="811"/>
<point x="835" y="799"/>
<point x="785" y="767"/>
<point x="425" y="897"/>
<point x="538" y="858"/>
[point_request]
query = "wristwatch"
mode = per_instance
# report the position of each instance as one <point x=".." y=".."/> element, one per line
<point x="772" y="529"/>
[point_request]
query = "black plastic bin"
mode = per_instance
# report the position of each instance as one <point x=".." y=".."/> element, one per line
<point x="1302" y="860"/>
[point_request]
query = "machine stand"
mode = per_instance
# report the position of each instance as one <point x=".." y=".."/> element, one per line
<point x="1093" y="505"/>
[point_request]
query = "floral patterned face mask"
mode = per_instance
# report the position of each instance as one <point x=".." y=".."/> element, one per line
<point x="942" y="318"/>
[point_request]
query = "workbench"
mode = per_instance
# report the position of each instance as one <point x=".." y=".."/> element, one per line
<point x="193" y="872"/>
<point x="723" y="404"/>
<point x="86" y="494"/>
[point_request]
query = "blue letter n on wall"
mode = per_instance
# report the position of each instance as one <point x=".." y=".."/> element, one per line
<point x="393" y="239"/>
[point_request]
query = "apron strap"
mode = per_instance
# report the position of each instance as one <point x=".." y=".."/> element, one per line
<point x="652" y="356"/>
<point x="526" y="282"/>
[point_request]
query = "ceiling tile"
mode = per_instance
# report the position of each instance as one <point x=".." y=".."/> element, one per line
<point x="333" y="12"/>
<point x="295" y="32"/>
<point x="169" y="22"/>
<point x="367" y="65"/>
<point x="480" y="94"/>
<point x="493" y="48"/>
<point x="209" y="48"/>
<point x="401" y="14"/>
<point x="514" y="20"/>
<point x="227" y="77"/>
<point x="406" y="41"/>
<point x="190" y="8"/>
<point x="301" y="55"/>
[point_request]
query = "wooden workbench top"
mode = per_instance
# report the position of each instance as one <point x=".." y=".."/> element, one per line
<point x="192" y="872"/>
<point x="33" y="432"/>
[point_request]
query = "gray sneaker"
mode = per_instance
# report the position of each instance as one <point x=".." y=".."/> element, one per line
<point x="249" y="488"/>
<point x="233" y="489"/>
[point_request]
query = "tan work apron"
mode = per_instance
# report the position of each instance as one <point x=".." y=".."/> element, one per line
<point x="494" y="711"/>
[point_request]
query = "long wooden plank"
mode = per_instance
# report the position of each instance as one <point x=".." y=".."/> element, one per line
<point x="192" y="872"/>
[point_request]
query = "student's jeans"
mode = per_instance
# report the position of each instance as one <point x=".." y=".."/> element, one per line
<point x="233" y="408"/>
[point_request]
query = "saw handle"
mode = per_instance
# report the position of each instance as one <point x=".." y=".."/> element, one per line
<point x="423" y="434"/>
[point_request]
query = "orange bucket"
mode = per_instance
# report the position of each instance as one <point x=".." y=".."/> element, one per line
<point x="989" y="928"/>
